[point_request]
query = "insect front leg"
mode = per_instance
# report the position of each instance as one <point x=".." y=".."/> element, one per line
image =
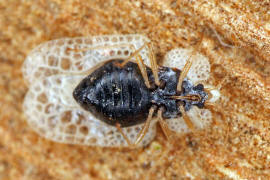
<point x="184" y="72"/>
<point x="188" y="65"/>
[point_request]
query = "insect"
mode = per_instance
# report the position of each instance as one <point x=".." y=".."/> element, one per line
<point x="109" y="91"/>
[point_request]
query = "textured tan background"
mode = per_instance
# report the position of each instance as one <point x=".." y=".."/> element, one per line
<point x="236" y="145"/>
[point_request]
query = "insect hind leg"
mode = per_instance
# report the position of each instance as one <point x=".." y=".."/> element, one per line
<point x="123" y="134"/>
<point x="137" y="57"/>
<point x="146" y="126"/>
<point x="141" y="64"/>
<point x="142" y="132"/>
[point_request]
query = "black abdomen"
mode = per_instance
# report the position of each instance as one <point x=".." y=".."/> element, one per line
<point x="115" y="94"/>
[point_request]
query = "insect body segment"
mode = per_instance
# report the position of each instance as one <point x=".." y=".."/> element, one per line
<point x="119" y="95"/>
<point x="169" y="97"/>
<point x="111" y="92"/>
<point x="115" y="94"/>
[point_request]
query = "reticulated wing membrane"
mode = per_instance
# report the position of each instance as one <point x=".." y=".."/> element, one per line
<point x="53" y="71"/>
<point x="177" y="125"/>
<point x="200" y="118"/>
<point x="53" y="113"/>
<point x="76" y="55"/>
<point x="200" y="68"/>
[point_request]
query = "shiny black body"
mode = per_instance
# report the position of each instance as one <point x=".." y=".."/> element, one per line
<point x="116" y="94"/>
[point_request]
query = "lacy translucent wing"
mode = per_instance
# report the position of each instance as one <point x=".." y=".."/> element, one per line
<point x="76" y="55"/>
<point x="49" y="105"/>
<point x="54" y="114"/>
<point x="198" y="72"/>
<point x="200" y="118"/>
<point x="200" y="69"/>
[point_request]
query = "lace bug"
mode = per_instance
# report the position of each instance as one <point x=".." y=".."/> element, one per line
<point x="109" y="91"/>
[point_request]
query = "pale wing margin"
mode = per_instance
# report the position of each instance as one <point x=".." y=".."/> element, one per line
<point x="53" y="113"/>
<point x="73" y="55"/>
<point x="49" y="106"/>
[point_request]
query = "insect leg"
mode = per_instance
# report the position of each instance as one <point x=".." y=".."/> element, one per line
<point x="186" y="118"/>
<point x="145" y="128"/>
<point x="153" y="62"/>
<point x="86" y="72"/>
<point x="123" y="134"/>
<point x="164" y="126"/>
<point x="140" y="63"/>
<point x="143" y="70"/>
<point x="143" y="131"/>
<point x="218" y="86"/>
<point x="184" y="72"/>
<point x="135" y="54"/>
<point x="188" y="65"/>
<point x="222" y="82"/>
<point x="209" y="104"/>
